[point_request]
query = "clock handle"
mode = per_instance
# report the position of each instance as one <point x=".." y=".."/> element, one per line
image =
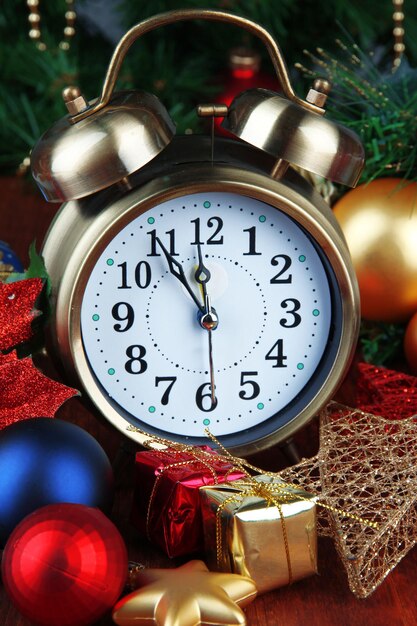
<point x="170" y="17"/>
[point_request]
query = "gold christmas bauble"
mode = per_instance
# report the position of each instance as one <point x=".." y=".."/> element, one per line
<point x="379" y="220"/>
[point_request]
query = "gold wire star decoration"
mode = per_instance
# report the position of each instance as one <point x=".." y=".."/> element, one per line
<point x="366" y="467"/>
<point x="185" y="596"/>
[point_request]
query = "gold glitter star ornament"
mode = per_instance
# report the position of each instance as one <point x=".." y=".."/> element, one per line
<point x="367" y="468"/>
<point x="189" y="595"/>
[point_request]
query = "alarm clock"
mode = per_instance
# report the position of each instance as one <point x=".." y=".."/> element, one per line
<point x="197" y="281"/>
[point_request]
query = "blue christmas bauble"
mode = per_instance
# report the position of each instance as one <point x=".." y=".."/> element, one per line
<point x="49" y="461"/>
<point x="9" y="261"/>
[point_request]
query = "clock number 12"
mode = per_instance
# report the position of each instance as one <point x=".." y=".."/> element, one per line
<point x="214" y="239"/>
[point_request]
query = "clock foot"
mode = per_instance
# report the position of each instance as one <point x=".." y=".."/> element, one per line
<point x="289" y="449"/>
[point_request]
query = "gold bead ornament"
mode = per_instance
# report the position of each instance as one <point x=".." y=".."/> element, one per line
<point x="34" y="19"/>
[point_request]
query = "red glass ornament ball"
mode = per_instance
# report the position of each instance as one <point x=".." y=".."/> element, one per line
<point x="64" y="564"/>
<point x="410" y="343"/>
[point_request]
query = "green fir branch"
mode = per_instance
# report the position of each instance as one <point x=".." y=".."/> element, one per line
<point x="183" y="63"/>
<point x="379" y="105"/>
<point x="381" y="343"/>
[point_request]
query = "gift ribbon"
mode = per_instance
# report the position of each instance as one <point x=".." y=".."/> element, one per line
<point x="274" y="494"/>
<point x="271" y="495"/>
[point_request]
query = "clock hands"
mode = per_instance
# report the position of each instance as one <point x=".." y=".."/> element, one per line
<point x="208" y="317"/>
<point x="202" y="274"/>
<point x="177" y="270"/>
<point x="209" y="320"/>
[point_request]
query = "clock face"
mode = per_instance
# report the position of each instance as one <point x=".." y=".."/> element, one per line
<point x="171" y="365"/>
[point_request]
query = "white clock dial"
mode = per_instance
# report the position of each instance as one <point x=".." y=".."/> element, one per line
<point x="142" y="331"/>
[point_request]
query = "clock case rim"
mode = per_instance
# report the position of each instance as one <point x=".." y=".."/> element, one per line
<point x="82" y="229"/>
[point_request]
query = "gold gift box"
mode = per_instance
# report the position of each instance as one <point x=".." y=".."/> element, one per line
<point x="271" y="539"/>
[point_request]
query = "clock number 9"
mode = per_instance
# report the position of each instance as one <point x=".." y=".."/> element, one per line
<point x="123" y="312"/>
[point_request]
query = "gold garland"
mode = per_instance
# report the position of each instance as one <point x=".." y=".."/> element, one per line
<point x="35" y="33"/>
<point x="243" y="466"/>
<point x="398" y="33"/>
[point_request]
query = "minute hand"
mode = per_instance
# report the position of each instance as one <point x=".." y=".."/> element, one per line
<point x="177" y="270"/>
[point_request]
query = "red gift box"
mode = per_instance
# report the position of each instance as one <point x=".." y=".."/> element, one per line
<point x="166" y="503"/>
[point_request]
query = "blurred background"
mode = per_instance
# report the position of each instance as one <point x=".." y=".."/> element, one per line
<point x="46" y="45"/>
<point x="366" y="48"/>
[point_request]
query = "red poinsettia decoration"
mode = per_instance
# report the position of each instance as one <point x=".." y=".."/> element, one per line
<point x="17" y="311"/>
<point x="24" y="391"/>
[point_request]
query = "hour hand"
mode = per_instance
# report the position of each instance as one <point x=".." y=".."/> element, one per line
<point x="202" y="274"/>
<point x="177" y="270"/>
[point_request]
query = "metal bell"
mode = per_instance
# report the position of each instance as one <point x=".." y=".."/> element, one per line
<point x="74" y="159"/>
<point x="296" y="135"/>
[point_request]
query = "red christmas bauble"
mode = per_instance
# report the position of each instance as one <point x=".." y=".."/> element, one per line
<point x="64" y="564"/>
<point x="243" y="74"/>
<point x="410" y="343"/>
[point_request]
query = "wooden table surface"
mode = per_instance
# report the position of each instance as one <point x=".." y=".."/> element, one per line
<point x="323" y="600"/>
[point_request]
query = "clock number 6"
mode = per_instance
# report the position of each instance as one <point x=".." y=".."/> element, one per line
<point x="200" y="395"/>
<point x="163" y="379"/>
<point x="136" y="364"/>
<point x="255" y="387"/>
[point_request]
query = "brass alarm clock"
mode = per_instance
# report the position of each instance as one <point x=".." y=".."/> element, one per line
<point x="196" y="283"/>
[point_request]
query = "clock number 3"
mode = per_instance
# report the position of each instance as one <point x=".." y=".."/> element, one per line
<point x="136" y="364"/>
<point x="296" y="317"/>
